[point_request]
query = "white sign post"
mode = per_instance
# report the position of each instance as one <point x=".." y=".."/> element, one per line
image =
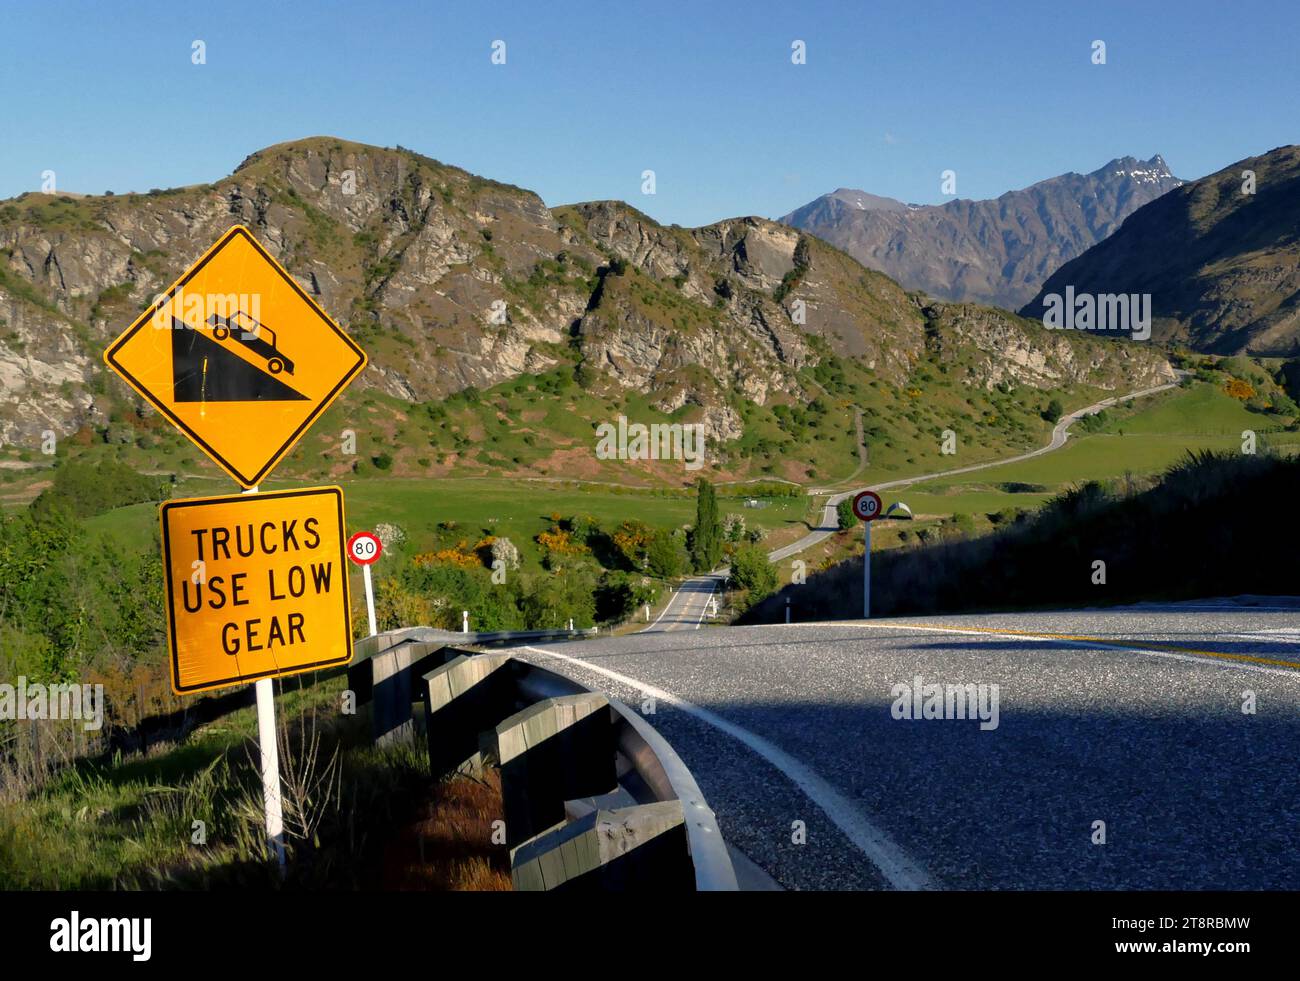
<point x="264" y="689"/>
<point x="370" y="600"/>
<point x="364" y="548"/>
<point x="867" y="508"/>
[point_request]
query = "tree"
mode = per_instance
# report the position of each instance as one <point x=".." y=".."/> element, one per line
<point x="753" y="572"/>
<point x="567" y="594"/>
<point x="706" y="542"/>
<point x="665" y="556"/>
<point x="622" y="593"/>
<point x="844" y="510"/>
<point x="1053" y="411"/>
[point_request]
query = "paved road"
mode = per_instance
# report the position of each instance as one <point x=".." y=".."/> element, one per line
<point x="1132" y="717"/>
<point x="688" y="607"/>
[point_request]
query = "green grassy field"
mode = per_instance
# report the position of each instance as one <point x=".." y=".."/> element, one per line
<point x="518" y="510"/>
<point x="1141" y="439"/>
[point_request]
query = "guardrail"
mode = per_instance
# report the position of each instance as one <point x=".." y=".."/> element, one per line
<point x="594" y="797"/>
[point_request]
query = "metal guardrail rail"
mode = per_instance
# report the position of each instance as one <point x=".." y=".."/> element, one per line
<point x="594" y="797"/>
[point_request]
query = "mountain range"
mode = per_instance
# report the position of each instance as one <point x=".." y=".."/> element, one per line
<point x="997" y="251"/>
<point x="454" y="283"/>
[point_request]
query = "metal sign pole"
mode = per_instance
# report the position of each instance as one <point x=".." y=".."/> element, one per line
<point x="370" y="599"/>
<point x="270" y="750"/>
<point x="866" y="571"/>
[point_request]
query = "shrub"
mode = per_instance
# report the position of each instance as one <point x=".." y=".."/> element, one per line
<point x="733" y="527"/>
<point x="1240" y="390"/>
<point x="503" y="550"/>
<point x="632" y="540"/>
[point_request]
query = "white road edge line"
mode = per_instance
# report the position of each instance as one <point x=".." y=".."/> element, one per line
<point x="667" y="606"/>
<point x="713" y="588"/>
<point x="1206" y="660"/>
<point x="898" y="868"/>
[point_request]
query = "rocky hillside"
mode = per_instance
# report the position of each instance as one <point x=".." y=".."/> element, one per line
<point x="452" y="282"/>
<point x="1222" y="265"/>
<point x="995" y="251"/>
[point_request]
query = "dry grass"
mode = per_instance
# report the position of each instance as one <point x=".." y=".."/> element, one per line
<point x="449" y="847"/>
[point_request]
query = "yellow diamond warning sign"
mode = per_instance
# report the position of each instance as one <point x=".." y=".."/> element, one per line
<point x="257" y="586"/>
<point x="238" y="357"/>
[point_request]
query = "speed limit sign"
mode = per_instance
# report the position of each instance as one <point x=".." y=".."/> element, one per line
<point x="364" y="548"/>
<point x="866" y="506"/>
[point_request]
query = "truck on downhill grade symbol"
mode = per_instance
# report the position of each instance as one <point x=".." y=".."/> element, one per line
<point x="251" y="338"/>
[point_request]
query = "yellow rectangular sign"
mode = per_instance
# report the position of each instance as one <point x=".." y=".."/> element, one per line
<point x="257" y="586"/>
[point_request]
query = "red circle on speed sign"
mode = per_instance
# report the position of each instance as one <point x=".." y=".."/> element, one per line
<point x="364" y="548"/>
<point x="867" y="506"/>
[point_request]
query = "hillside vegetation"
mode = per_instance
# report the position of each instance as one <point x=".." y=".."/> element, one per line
<point x="1195" y="530"/>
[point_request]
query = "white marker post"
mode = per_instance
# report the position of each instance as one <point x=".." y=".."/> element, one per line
<point x="370" y="599"/>
<point x="270" y="752"/>
<point x="364" y="549"/>
<point x="867" y="507"/>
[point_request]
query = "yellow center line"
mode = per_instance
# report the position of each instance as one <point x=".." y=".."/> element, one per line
<point x="1081" y="638"/>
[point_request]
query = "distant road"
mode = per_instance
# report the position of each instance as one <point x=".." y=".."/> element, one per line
<point x="1060" y="433"/>
<point x="1132" y="717"/>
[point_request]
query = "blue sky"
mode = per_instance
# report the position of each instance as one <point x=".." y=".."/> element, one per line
<point x="704" y="94"/>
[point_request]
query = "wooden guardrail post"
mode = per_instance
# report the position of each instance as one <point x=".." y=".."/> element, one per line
<point x="556" y="750"/>
<point x="638" y="847"/>
<point x="388" y="676"/>
<point x="464" y="697"/>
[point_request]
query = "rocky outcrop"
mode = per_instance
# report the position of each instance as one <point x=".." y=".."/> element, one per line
<point x="995" y="348"/>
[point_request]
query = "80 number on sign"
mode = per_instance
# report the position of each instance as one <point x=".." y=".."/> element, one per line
<point x="867" y="506"/>
<point x="364" y="548"/>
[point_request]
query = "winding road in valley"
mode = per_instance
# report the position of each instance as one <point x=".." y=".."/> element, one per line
<point x="688" y="606"/>
<point x="1060" y="433"/>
